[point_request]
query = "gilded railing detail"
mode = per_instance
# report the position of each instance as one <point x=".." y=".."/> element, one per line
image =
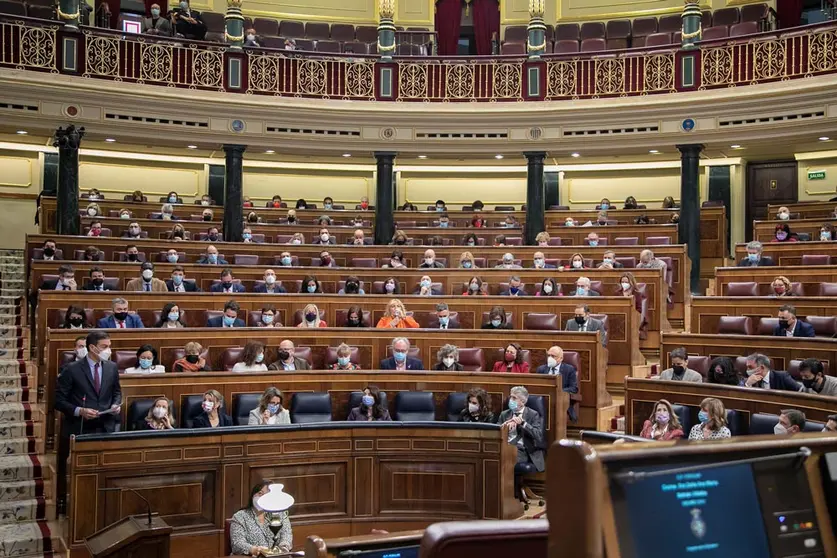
<point x="36" y="45"/>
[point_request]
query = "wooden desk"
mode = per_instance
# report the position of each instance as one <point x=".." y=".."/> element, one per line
<point x="808" y="276"/>
<point x="707" y="310"/>
<point x="787" y="254"/>
<point x="806" y="210"/>
<point x="317" y="547"/>
<point x="346" y="478"/>
<point x="764" y="231"/>
<point x="641" y="394"/>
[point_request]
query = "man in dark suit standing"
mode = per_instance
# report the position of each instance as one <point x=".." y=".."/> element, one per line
<point x="120" y="319"/>
<point x="790" y="326"/>
<point x="754" y="257"/>
<point x="759" y="375"/>
<point x="227" y="284"/>
<point x="89" y="396"/>
<point x="526" y="433"/>
<point x="555" y="366"/>
<point x="230" y="317"/>
<point x="399" y="359"/>
<point x="177" y="284"/>
<point x="583" y="322"/>
<point x="97" y="281"/>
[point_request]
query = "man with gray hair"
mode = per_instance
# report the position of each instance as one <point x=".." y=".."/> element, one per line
<point x="582" y="288"/>
<point x="430" y="260"/>
<point x="526" y="433"/>
<point x="399" y="359"/>
<point x="507" y="262"/>
<point x="443" y="320"/>
<point x="120" y="318"/>
<point x="754" y="257"/>
<point x="678" y="371"/>
<point x="759" y="375"/>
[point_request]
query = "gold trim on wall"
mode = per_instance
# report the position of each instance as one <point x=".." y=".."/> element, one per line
<point x="9" y="184"/>
<point x="146" y="193"/>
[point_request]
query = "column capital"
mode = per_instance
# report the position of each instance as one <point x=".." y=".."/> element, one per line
<point x="231" y="148"/>
<point x="68" y="138"/>
<point x="535" y="155"/>
<point x="690" y="149"/>
<point x="385" y="155"/>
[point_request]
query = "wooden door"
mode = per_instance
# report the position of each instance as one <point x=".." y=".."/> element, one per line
<point x="772" y="182"/>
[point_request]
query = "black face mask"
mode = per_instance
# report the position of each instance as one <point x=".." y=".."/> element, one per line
<point x="49" y="252"/>
<point x="98" y="282"/>
<point x="353" y="323"/>
<point x="213" y="237"/>
<point x="193" y="359"/>
<point x="352" y="288"/>
<point x="133" y="257"/>
<point x="77" y="322"/>
<point x="207" y="217"/>
<point x="580" y="320"/>
<point x="178" y="234"/>
<point x="226" y="285"/>
<point x="810" y="383"/>
<point x="283" y="355"/>
<point x="784" y="324"/>
<point x="121" y="316"/>
<point x="291" y="219"/>
<point x="678" y="370"/>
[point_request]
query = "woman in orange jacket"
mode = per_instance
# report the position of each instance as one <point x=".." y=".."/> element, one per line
<point x="396" y="317"/>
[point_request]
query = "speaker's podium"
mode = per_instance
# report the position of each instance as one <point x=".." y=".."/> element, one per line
<point x="132" y="537"/>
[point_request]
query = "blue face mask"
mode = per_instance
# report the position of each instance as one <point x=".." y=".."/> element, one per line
<point x="267" y="318"/>
<point x="343" y="361"/>
<point x="703" y="416"/>
<point x="513" y="405"/>
<point x="172" y="258"/>
<point x="605" y="206"/>
<point x="176" y="279"/>
<point x="213" y="258"/>
<point x="286" y="260"/>
<point x="228" y="321"/>
<point x="467" y="264"/>
<point x="145" y="363"/>
<point x="311" y="288"/>
<point x="260" y="357"/>
<point x="440" y="208"/>
<point x="580" y="291"/>
<point x="368" y="400"/>
<point x="514" y="290"/>
<point x="443" y="224"/>
<point x="247" y="236"/>
<point x="425" y="284"/>
<point x="444" y="320"/>
<point x="273" y="408"/>
<point x="753" y="257"/>
<point x="399" y="356"/>
<point x="496" y="323"/>
<point x="174" y="316"/>
<point x="593" y="242"/>
<point x="172" y="199"/>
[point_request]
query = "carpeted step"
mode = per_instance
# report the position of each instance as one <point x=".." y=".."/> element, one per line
<point x="21" y="412"/>
<point x="26" y="510"/>
<point x="23" y="467"/>
<point x="26" y="429"/>
<point x="31" y="539"/>
<point x="24" y="490"/>
<point x="20" y="446"/>
<point x="14" y="395"/>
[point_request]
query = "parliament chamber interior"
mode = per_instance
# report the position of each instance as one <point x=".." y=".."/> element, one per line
<point x="576" y="261"/>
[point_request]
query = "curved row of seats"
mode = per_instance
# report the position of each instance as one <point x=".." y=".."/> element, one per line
<point x="306" y="408"/>
<point x="751" y="288"/>
<point x="824" y="326"/>
<point x="700" y="363"/>
<point x="759" y="423"/>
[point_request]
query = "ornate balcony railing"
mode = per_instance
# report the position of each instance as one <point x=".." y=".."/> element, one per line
<point x="94" y="53"/>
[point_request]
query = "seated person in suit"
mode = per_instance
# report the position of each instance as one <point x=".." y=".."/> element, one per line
<point x="230" y="317"/>
<point x="678" y="371"/>
<point x="212" y="415"/>
<point x="444" y="221"/>
<point x="93" y="254"/>
<point x="582" y="288"/>
<point x="66" y="280"/>
<point x="352" y="287"/>
<point x="396" y="317"/>
<point x="364" y="203"/>
<point x="759" y="375"/>
<point x="515" y="287"/>
<point x="158" y="417"/>
<point x="478" y="408"/>
<point x="269" y="317"/>
<point x="542" y="239"/>
<point x="663" y="423"/>
<point x="512" y="361"/>
<point x="311" y="317"/>
<point x="790" y="326"/>
<point x="156" y="25"/>
<point x="270" y="286"/>
<point x="425" y="287"/>
<point x="132" y="253"/>
<point x="212" y="234"/>
<point x="448" y="359"/>
<point x="324" y="237"/>
<point x="178" y="284"/>
<point x="247" y="235"/>
<point x="443" y="315"/>
<point x="791" y="421"/>
<point x="592" y="239"/>
<point x="507" y="262"/>
<point x="207" y="215"/>
<point x="287" y="359"/>
<point x="555" y="366"/>
<point x="583" y="322"/>
<point x="211" y="257"/>
<point x="147" y="362"/>
<point x="97" y="280"/>
<point x="370" y="408"/>
<point x="326" y="260"/>
<point x="609" y="261"/>
<point x="48" y="250"/>
<point x="270" y="409"/>
<point x="134" y="231"/>
<point x="630" y="203"/>
<point x="344" y="359"/>
<point x="187" y="22"/>
<point x="192" y="361"/>
<point x="549" y="287"/>
<point x="167" y="212"/>
<point x="120" y="318"/>
<point x="539" y="261"/>
<point x="526" y="432"/>
<point x="430" y="260"/>
<point x="251" y="39"/>
<point x="814" y="379"/>
<point x="146" y="282"/>
<point x="754" y="256"/>
<point x="227" y="284"/>
<point x="497" y="319"/>
<point x="358" y="238"/>
<point x="399" y="359"/>
<point x="285" y="259"/>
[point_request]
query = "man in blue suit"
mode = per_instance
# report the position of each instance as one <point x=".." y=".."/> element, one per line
<point x="554" y="366"/>
<point x="120" y="319"/>
<point x="399" y="359"/>
<point x="270" y="286"/>
<point x="759" y="375"/>
<point x="789" y="326"/>
<point x="226" y="285"/>
<point x="230" y="317"/>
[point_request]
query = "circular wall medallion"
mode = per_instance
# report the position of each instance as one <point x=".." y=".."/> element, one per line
<point x="72" y="110"/>
<point x="388" y="133"/>
<point x="535" y="133"/>
<point x="688" y="125"/>
<point x="237" y="126"/>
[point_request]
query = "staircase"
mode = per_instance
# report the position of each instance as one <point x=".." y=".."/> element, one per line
<point x="27" y="475"/>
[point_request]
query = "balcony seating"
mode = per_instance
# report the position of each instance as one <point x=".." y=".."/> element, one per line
<point x="726" y="16"/>
<point x="317" y="30"/>
<point x="366" y="33"/>
<point x="514" y="48"/>
<point x="593" y="45"/>
<point x="746" y="28"/>
<point x="214" y="23"/>
<point x="567" y="32"/>
<point x="754" y="12"/>
<point x="706" y="19"/>
<point x="642" y="28"/>
<point x="343" y="32"/>
<point x="516" y="34"/>
<point x="306" y="45"/>
<point x="291" y="29"/>
<point x="735" y="325"/>
<point x="328" y="46"/>
<point x="720" y="32"/>
<point x="355" y="47"/>
<point x="658" y="39"/>
<point x="618" y="34"/>
<point x="12" y="8"/>
<point x="593" y="30"/>
<point x="670" y="23"/>
<point x="541" y="322"/>
<point x="824" y="326"/>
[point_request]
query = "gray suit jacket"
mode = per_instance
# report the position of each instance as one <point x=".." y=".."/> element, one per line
<point x="162" y="27"/>
<point x="592" y="325"/>
<point x="534" y="439"/>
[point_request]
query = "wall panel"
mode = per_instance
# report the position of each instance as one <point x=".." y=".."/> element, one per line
<point x="261" y="184"/>
<point x="585" y="189"/>
<point x="495" y="188"/>
<point x="817" y="190"/>
<point x="117" y="177"/>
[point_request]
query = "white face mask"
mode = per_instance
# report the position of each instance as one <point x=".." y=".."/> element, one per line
<point x="626" y="286"/>
<point x="551" y="362"/>
<point x="81" y="352"/>
<point x="160" y="412"/>
<point x="547" y="288"/>
<point x="104" y="354"/>
<point x="779" y="429"/>
<point x="539" y="263"/>
<point x="147" y="274"/>
<point x="324" y="237"/>
<point x="473" y="408"/>
<point x="448" y="361"/>
<point x="251" y="37"/>
<point x="270" y="279"/>
<point x="208" y="406"/>
<point x="577" y="264"/>
<point x="91" y="211"/>
<point x="428" y="261"/>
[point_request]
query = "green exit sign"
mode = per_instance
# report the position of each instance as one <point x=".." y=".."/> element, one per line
<point x="816" y="175"/>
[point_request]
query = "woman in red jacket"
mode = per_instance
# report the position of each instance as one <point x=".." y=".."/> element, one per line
<point x="512" y="361"/>
<point x="662" y="424"/>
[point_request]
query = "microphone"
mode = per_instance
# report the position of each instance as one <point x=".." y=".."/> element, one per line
<point x="125" y="488"/>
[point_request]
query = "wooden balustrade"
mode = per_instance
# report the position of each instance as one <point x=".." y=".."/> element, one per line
<point x="806" y="210"/>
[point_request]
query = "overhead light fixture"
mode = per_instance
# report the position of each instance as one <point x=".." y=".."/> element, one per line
<point x="654" y="151"/>
<point x="422" y="156"/>
<point x="824" y="138"/>
<point x="191" y="146"/>
<point x="269" y="151"/>
<point x="22" y="132"/>
<point x="110" y="140"/>
<point x="575" y="155"/>
<point x="736" y="146"/>
<point x="498" y="156"/>
<point x="347" y="154"/>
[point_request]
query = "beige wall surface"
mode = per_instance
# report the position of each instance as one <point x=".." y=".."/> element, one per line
<point x="458" y="189"/>
<point x="357" y="12"/>
<point x="817" y="190"/>
<point x="261" y="184"/>
<point x="20" y="182"/>
<point x="155" y="179"/>
<point x="585" y="189"/>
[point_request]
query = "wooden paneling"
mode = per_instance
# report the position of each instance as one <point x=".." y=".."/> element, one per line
<point x="763" y="231"/>
<point x="807" y="210"/>
<point x="786" y="254"/>
<point x="809" y="276"/>
<point x="408" y="486"/>
<point x="707" y="311"/>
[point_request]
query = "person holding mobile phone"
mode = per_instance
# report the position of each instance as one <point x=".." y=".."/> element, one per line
<point x="270" y="410"/>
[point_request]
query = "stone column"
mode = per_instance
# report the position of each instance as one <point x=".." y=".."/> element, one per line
<point x="535" y="215"/>
<point x="386" y="29"/>
<point x="234" y="25"/>
<point x="234" y="193"/>
<point x="384" y="202"/>
<point x="67" y="140"/>
<point x="689" y="226"/>
<point x="691" y="31"/>
<point x="536" y="40"/>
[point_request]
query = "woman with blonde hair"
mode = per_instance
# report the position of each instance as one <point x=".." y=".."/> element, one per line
<point x="93" y="210"/>
<point x="297" y="238"/>
<point x="542" y="239"/>
<point x="159" y="416"/>
<point x="713" y="421"/>
<point x="344" y="359"/>
<point x="662" y="424"/>
<point x="192" y="360"/>
<point x="627" y="287"/>
<point x="466" y="261"/>
<point x="311" y="317"/>
<point x="396" y="317"/>
<point x="270" y="409"/>
<point x="178" y="233"/>
<point x="125" y="214"/>
<point x="781" y="286"/>
<point x="399" y="238"/>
